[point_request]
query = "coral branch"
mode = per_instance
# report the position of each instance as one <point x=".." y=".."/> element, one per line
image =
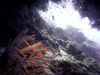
<point x="36" y="52"/>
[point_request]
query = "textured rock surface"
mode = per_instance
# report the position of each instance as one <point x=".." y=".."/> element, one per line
<point x="77" y="54"/>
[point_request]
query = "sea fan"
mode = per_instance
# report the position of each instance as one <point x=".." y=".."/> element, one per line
<point x="30" y="60"/>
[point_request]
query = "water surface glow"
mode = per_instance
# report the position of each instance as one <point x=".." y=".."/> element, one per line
<point x="63" y="14"/>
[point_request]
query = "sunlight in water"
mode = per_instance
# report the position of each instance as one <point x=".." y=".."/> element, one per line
<point x="63" y="14"/>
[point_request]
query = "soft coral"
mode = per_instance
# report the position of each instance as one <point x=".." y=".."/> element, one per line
<point x="36" y="51"/>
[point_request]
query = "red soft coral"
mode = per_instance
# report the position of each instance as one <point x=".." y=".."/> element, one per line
<point x="36" y="51"/>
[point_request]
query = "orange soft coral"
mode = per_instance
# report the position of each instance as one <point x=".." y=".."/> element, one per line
<point x="36" y="51"/>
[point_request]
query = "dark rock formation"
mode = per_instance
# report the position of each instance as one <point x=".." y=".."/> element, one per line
<point x="77" y="54"/>
<point x="89" y="8"/>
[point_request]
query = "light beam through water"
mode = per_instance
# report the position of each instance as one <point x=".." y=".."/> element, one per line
<point x="63" y="14"/>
